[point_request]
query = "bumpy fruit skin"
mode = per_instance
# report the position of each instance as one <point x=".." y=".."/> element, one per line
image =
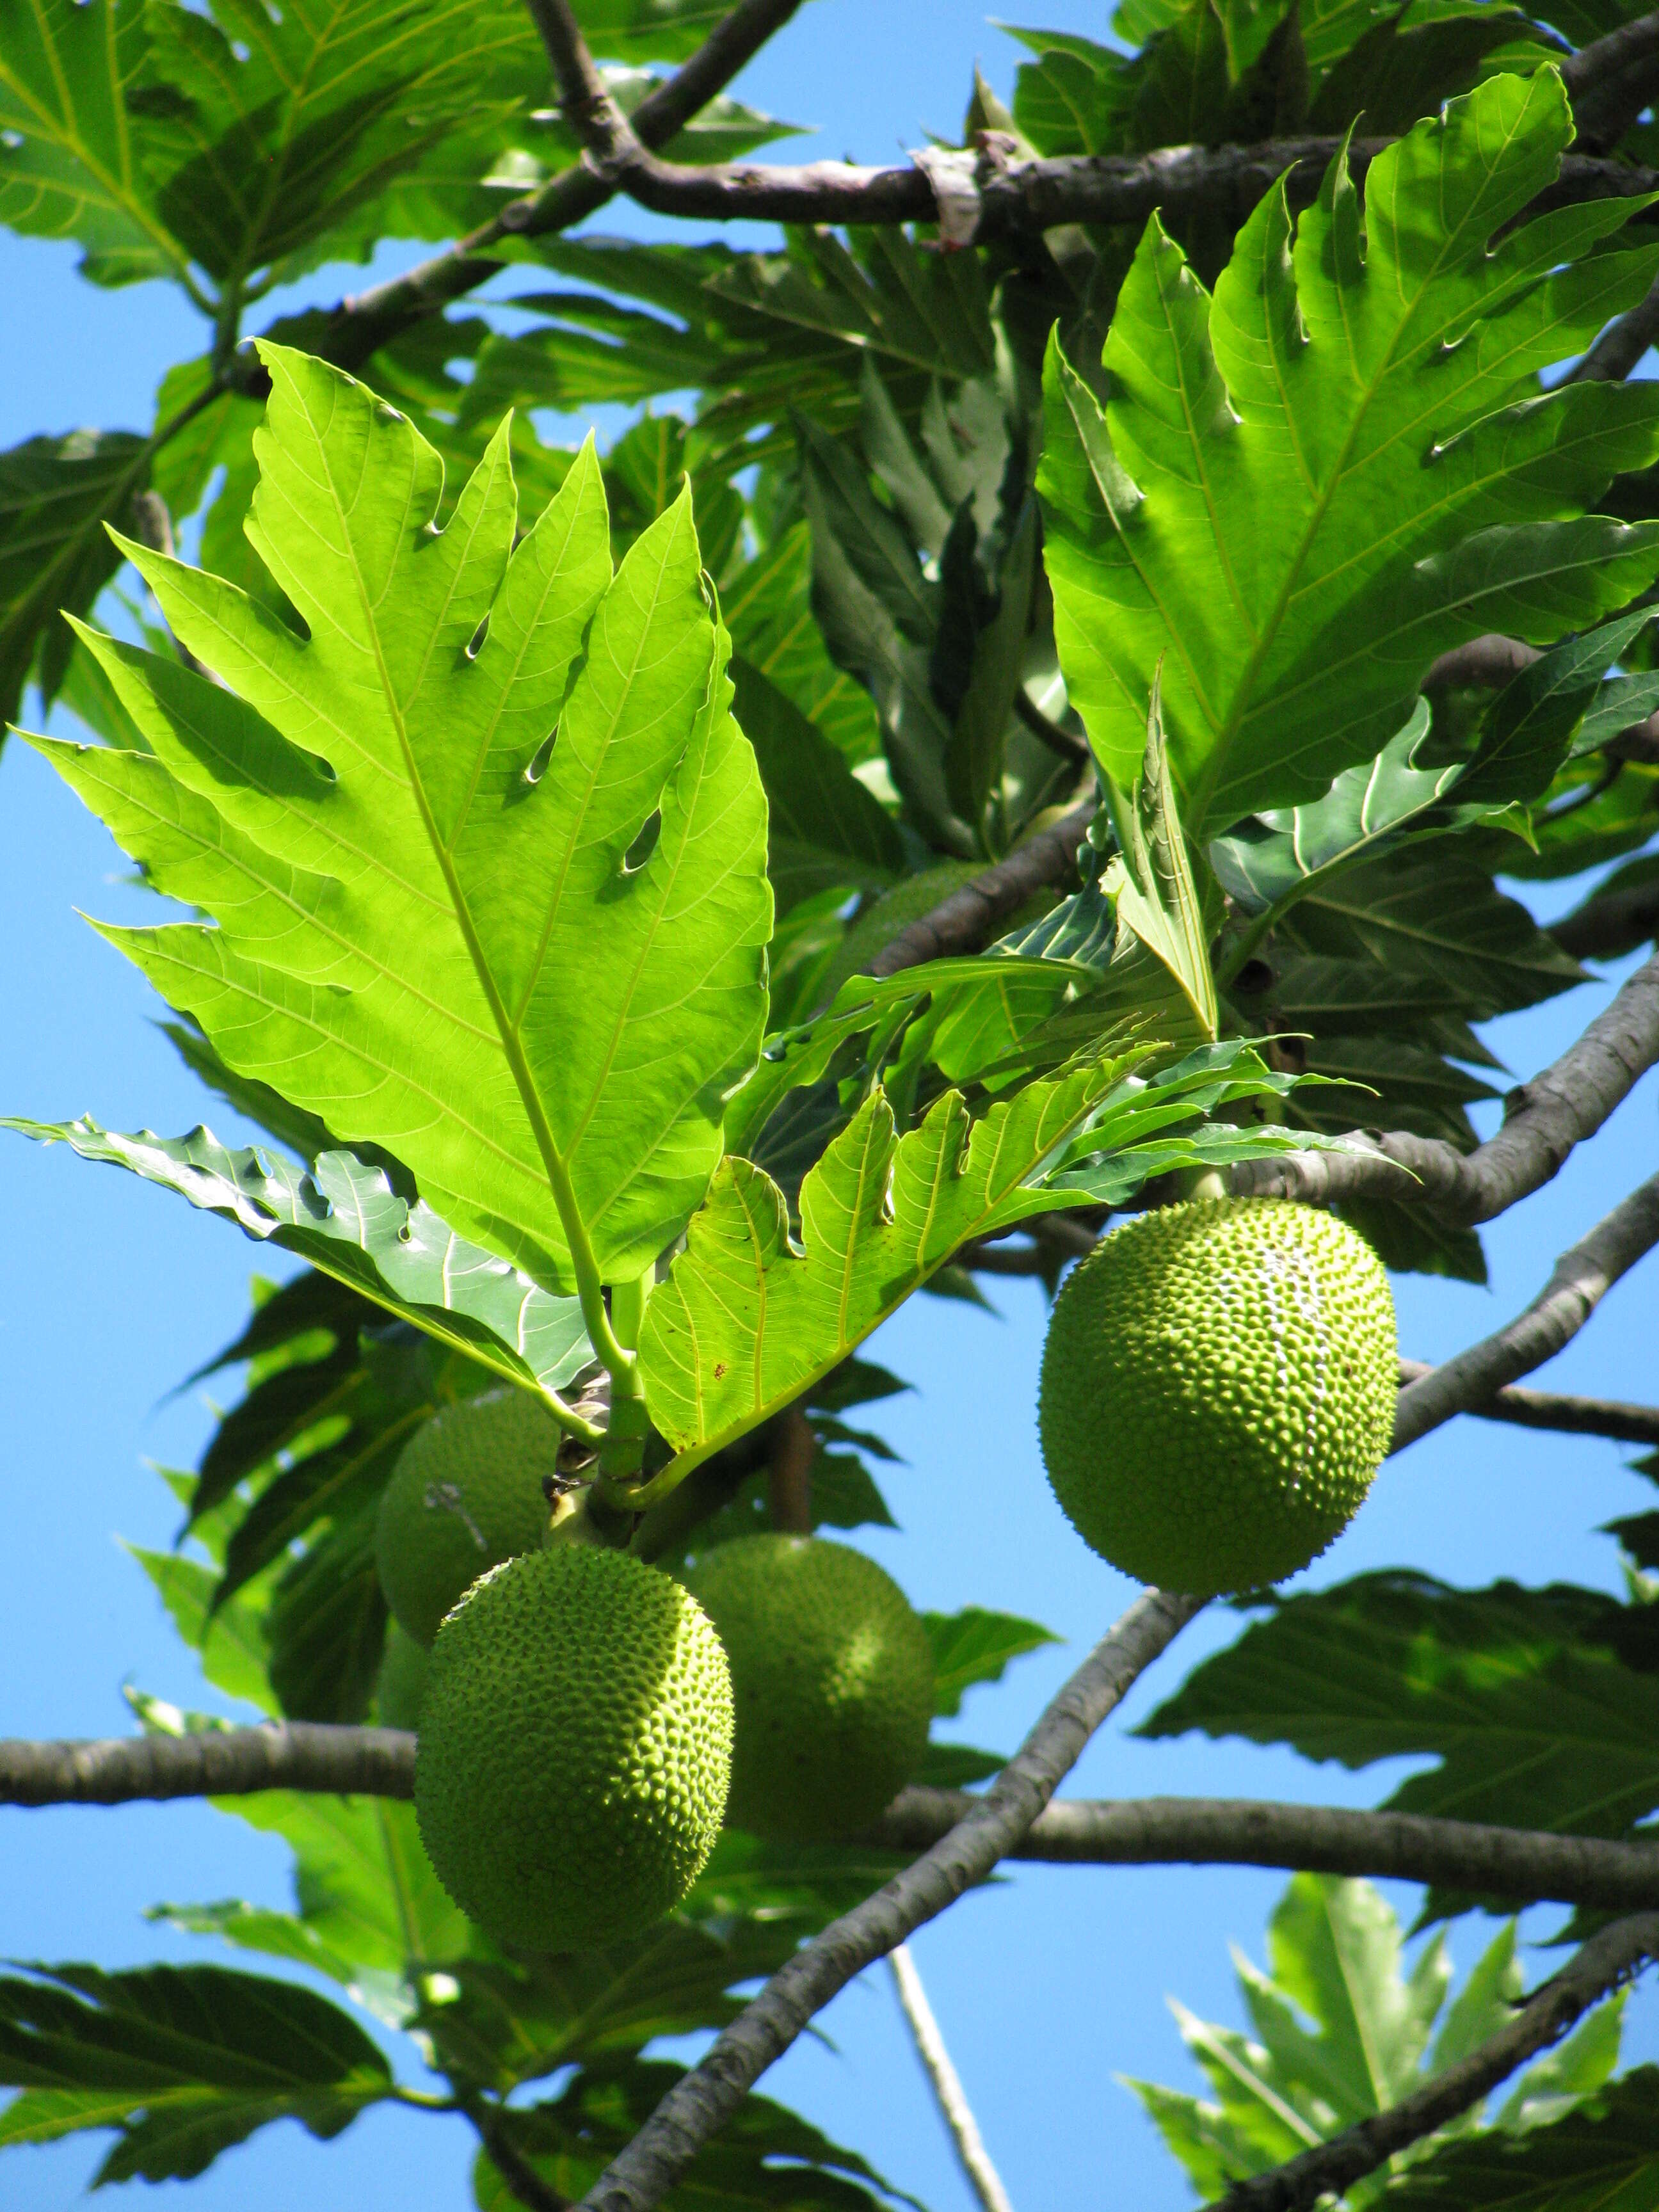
<point x="575" y="1744"/>
<point x="832" y="1675"/>
<point x="1218" y="1391"/>
<point x="465" y="1494"/>
<point x="403" y="1679"/>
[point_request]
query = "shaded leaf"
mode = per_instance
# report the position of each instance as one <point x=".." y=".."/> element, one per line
<point x="1530" y="1723"/>
<point x="975" y="1646"/>
<point x="764" y="2156"/>
<point x="56" y="495"/>
<point x="185" y="2060"/>
<point x="1603" y="2157"/>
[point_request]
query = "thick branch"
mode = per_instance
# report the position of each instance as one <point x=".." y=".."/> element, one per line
<point x="1610" y="81"/>
<point x="1488" y="662"/>
<point x="1015" y="199"/>
<point x="1130" y="1832"/>
<point x="1621" y="345"/>
<point x="1615" y="1417"/>
<point x="1602" y="1964"/>
<point x="792" y="1449"/>
<point x="969" y="920"/>
<point x="946" y="2084"/>
<point x="1581" y="1279"/>
<point x="1544" y="1120"/>
<point x="1465" y="1854"/>
<point x="372" y="1762"/>
<point x="707" y="2097"/>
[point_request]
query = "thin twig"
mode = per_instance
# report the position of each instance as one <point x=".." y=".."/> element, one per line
<point x="521" y="2178"/>
<point x="1604" y="1962"/>
<point x="705" y="2098"/>
<point x="1578" y="1283"/>
<point x="946" y="2083"/>
<point x="1544" y="1120"/>
<point x="1615" y="1417"/>
<point x="1467" y="1855"/>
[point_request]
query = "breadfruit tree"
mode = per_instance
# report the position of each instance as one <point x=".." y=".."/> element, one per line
<point x="1039" y="753"/>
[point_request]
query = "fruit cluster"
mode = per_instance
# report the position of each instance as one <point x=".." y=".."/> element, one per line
<point x="1217" y="1390"/>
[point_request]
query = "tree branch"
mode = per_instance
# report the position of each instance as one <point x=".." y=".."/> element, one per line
<point x="1497" y="1861"/>
<point x="1015" y="199"/>
<point x="792" y="1449"/>
<point x="327" y="1760"/>
<point x="969" y="920"/>
<point x="1610" y="81"/>
<point x="584" y="96"/>
<point x="1600" y="1966"/>
<point x="1544" y="1120"/>
<point x="946" y="2084"/>
<point x="1579" y="1281"/>
<point x="371" y="1762"/>
<point x="369" y="319"/>
<point x="1549" y="1409"/>
<point x="1488" y="661"/>
<point x="706" y="2097"/>
<point x="521" y="2178"/>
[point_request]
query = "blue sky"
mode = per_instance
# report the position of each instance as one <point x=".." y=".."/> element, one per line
<point x="1046" y="1986"/>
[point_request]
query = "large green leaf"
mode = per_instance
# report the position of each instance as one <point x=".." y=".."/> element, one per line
<point x="763" y="2157"/>
<point x="346" y="1220"/>
<point x="271" y="138"/>
<point x="1603" y="2157"/>
<point x="1303" y="489"/>
<point x="69" y="165"/>
<point x="1520" y="1696"/>
<point x="745" y="1321"/>
<point x="184" y="2060"/>
<point x="1334" y="1956"/>
<point x="56" y="495"/>
<point x="438" y="923"/>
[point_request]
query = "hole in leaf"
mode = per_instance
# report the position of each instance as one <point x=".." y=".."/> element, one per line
<point x="535" y="766"/>
<point x="475" y="644"/>
<point x="638" y="853"/>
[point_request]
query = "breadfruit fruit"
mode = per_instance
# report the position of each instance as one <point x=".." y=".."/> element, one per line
<point x="832" y="1677"/>
<point x="402" y="1679"/>
<point x="1218" y="1391"/>
<point x="575" y="1744"/>
<point x="465" y="1494"/>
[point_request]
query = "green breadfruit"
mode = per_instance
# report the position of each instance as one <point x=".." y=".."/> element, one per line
<point x="832" y="1675"/>
<point x="575" y="1744"/>
<point x="465" y="1495"/>
<point x="1218" y="1391"/>
<point x="403" y="1679"/>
